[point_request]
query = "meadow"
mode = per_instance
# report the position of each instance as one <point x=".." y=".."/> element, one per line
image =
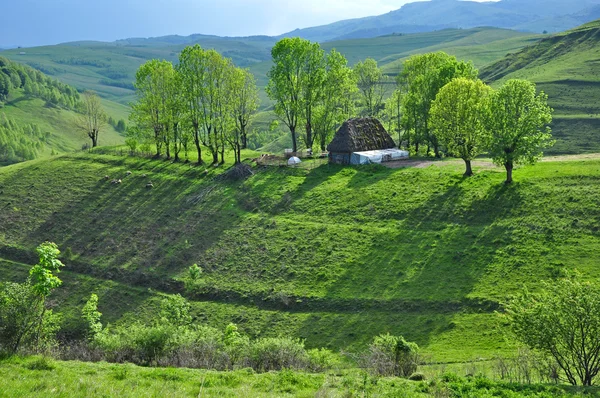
<point x="334" y="255"/>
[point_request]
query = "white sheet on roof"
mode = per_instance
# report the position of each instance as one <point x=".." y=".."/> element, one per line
<point x="378" y="156"/>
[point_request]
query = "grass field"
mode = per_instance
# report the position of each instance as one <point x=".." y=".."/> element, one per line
<point x="331" y="254"/>
<point x="40" y="377"/>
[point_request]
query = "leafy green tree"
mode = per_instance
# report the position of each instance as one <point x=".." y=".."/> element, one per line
<point x="371" y="84"/>
<point x="149" y="113"/>
<point x="518" y="121"/>
<point x="92" y="117"/>
<point x="563" y="321"/>
<point x="192" y="69"/>
<point x="393" y="110"/>
<point x="24" y="318"/>
<point x="312" y="88"/>
<point x="121" y="126"/>
<point x="294" y="82"/>
<point x="457" y="118"/>
<point x="175" y="310"/>
<point x="244" y="103"/>
<point x="91" y="316"/>
<point x="393" y="356"/>
<point x="421" y="79"/>
<point x="337" y="98"/>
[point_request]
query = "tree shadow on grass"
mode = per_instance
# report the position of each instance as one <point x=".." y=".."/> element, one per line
<point x="421" y="269"/>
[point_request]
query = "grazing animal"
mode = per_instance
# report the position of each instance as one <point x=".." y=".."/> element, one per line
<point x="128" y="173"/>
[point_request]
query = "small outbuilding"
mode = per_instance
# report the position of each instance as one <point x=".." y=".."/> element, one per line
<point x="363" y="141"/>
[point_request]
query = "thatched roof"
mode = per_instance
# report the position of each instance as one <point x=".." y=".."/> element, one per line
<point x="361" y="134"/>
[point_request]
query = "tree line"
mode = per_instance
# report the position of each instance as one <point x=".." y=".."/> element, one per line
<point x="204" y="101"/>
<point x="438" y="102"/>
<point x="19" y="143"/>
<point x="14" y="76"/>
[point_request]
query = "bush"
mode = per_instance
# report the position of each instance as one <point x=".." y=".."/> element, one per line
<point x="392" y="356"/>
<point x="417" y="376"/>
<point x="276" y="353"/>
<point x="321" y="359"/>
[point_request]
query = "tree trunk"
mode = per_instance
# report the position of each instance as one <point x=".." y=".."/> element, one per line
<point x="469" y="170"/>
<point x="94" y="142"/>
<point x="509" y="170"/>
<point x="294" y="143"/>
<point x="309" y="136"/>
<point x="244" y="137"/>
<point x="197" y="143"/>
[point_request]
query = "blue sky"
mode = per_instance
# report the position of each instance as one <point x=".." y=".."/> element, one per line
<point x="39" y="22"/>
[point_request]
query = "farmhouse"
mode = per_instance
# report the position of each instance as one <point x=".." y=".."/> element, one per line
<point x="363" y="141"/>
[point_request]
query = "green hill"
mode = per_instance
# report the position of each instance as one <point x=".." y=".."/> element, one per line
<point x="109" y="68"/>
<point x="567" y="67"/>
<point x="38" y="113"/>
<point x="331" y="254"/>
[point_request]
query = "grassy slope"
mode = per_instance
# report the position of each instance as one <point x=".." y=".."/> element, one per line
<point x="60" y="122"/>
<point x="567" y="67"/>
<point x="88" y="65"/>
<point x="334" y="255"/>
<point x="37" y="377"/>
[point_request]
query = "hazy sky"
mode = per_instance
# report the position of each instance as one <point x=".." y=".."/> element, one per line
<point x="38" y="22"/>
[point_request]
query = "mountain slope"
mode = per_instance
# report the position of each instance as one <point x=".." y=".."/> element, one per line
<point x="424" y="16"/>
<point x="331" y="254"/>
<point x="109" y="68"/>
<point x="567" y="67"/>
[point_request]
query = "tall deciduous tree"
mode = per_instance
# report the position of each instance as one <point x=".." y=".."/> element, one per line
<point x="244" y="103"/>
<point x="421" y="79"/>
<point x="563" y="321"/>
<point x="215" y="104"/>
<point x="150" y="112"/>
<point x="92" y="117"/>
<point x="295" y="81"/>
<point x="518" y="121"/>
<point x="393" y="110"/>
<point x="371" y="84"/>
<point x="192" y="68"/>
<point x="457" y="118"/>
<point x="337" y="100"/>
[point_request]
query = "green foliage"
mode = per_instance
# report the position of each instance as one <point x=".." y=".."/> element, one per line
<point x="25" y="323"/>
<point x="91" y="316"/>
<point x="276" y="353"/>
<point x="19" y="143"/>
<point x="392" y="356"/>
<point x="292" y="80"/>
<point x="41" y="276"/>
<point x="421" y="79"/>
<point x="563" y="321"/>
<point x="15" y="77"/>
<point x="371" y="84"/>
<point x="517" y="120"/>
<point x="457" y="118"/>
<point x="322" y="359"/>
<point x="175" y="310"/>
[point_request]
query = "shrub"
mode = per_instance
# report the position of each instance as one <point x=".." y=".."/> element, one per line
<point x="392" y="356"/>
<point x="321" y="359"/>
<point x="276" y="353"/>
<point x="417" y="376"/>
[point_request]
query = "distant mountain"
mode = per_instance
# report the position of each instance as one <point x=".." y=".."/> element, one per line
<point x="525" y="15"/>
